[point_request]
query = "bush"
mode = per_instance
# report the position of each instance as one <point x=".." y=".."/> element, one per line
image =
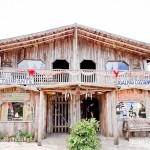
<point x="20" y="134"/>
<point x="1" y="135"/>
<point x="83" y="136"/>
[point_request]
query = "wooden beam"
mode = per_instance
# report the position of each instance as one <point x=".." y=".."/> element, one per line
<point x="147" y="50"/>
<point x="9" y="49"/>
<point x="36" y="40"/>
<point x="141" y="53"/>
<point x="40" y="121"/>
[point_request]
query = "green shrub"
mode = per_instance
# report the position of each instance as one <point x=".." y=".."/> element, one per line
<point x="20" y="134"/>
<point x="83" y="136"/>
<point x="1" y="135"/>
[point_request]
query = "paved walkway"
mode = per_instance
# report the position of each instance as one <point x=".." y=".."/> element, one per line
<point x="58" y="142"/>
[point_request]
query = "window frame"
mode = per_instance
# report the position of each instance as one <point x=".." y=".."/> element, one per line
<point x="23" y="102"/>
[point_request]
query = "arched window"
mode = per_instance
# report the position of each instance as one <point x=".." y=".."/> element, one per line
<point x="116" y="65"/>
<point x="60" y="64"/>
<point x="88" y="74"/>
<point x="31" y="64"/>
<point x="87" y="64"/>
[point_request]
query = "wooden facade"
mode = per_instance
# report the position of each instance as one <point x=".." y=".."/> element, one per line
<point x="57" y="103"/>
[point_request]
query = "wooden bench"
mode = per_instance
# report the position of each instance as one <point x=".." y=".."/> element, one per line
<point x="135" y="125"/>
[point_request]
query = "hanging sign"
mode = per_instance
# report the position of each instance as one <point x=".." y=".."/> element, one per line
<point x="130" y="97"/>
<point x="133" y="82"/>
<point x="16" y="81"/>
<point x="15" y="96"/>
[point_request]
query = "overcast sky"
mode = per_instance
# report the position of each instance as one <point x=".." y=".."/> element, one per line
<point x="129" y="18"/>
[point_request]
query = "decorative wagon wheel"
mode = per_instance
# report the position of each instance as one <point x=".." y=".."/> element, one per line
<point x="125" y="130"/>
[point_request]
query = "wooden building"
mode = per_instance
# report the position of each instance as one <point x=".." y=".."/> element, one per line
<point x="48" y="79"/>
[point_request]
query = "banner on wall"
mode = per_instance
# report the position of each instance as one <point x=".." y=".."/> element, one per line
<point x="15" y="96"/>
<point x="134" y="82"/>
<point x="16" y="81"/>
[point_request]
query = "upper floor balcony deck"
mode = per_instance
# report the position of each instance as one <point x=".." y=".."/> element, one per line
<point x="12" y="76"/>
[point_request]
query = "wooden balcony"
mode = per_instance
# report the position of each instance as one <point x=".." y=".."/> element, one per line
<point x="93" y="77"/>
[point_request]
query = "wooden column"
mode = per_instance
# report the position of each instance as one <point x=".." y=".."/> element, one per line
<point x="75" y="48"/>
<point x="145" y="65"/>
<point x="147" y="104"/>
<point x="114" y="117"/>
<point x="74" y="109"/>
<point x="108" y="117"/>
<point x="40" y="121"/>
<point x="78" y="107"/>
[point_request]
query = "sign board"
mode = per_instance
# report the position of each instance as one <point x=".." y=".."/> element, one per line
<point x="130" y="97"/>
<point x="15" y="96"/>
<point x="134" y="82"/>
<point x="16" y="81"/>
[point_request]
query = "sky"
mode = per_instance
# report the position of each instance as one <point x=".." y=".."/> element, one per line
<point x="129" y="18"/>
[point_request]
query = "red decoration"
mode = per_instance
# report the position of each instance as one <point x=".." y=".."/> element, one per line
<point x="116" y="73"/>
<point x="31" y="72"/>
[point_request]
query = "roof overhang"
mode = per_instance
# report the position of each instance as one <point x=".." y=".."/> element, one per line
<point x="98" y="36"/>
<point x="76" y="86"/>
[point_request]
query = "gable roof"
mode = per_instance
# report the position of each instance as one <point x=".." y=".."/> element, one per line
<point x="108" y="39"/>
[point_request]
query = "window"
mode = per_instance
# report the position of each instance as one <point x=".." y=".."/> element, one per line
<point x="31" y="64"/>
<point x="131" y="110"/>
<point x="120" y="65"/>
<point x="16" y="111"/>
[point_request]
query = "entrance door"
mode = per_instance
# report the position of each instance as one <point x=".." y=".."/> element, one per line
<point x="90" y="107"/>
<point x="60" y="114"/>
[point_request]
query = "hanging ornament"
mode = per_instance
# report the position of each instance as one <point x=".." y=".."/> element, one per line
<point x="86" y="94"/>
<point x="31" y="72"/>
<point x="91" y="95"/>
<point x="114" y="45"/>
<point x="65" y="95"/>
<point x="70" y="96"/>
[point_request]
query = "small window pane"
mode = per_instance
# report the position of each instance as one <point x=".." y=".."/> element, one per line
<point x="15" y="111"/>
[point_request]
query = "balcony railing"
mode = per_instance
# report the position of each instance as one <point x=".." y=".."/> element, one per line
<point x="50" y="77"/>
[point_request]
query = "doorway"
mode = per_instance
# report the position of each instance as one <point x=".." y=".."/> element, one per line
<point x="89" y="105"/>
<point x="60" y="114"/>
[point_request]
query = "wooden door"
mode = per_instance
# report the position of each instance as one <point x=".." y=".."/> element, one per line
<point x="60" y="114"/>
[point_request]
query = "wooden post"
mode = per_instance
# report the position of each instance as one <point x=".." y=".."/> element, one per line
<point x="147" y="104"/>
<point x="75" y="48"/>
<point x="145" y="65"/>
<point x="40" y="123"/>
<point x="78" y="108"/>
<point x="114" y="117"/>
